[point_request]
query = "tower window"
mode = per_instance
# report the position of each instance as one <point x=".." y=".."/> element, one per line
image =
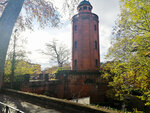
<point x="75" y="44"/>
<point x="95" y="28"/>
<point x="89" y="8"/>
<point x="75" y="64"/>
<point x="80" y="9"/>
<point x="95" y="44"/>
<point x="75" y="27"/>
<point x="85" y="7"/>
<point x="96" y="63"/>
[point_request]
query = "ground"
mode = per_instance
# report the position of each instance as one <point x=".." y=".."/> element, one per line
<point x="32" y="108"/>
<point x="25" y="106"/>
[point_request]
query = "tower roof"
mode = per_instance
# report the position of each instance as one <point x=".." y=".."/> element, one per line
<point x="84" y="3"/>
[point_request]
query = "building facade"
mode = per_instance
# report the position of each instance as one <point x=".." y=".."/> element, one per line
<point x="85" y="38"/>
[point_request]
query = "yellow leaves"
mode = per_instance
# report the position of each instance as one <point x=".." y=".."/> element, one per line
<point x="22" y="67"/>
<point x="147" y="103"/>
<point x="106" y="75"/>
<point x="138" y="10"/>
<point x="118" y="79"/>
<point x="42" y="11"/>
<point x="131" y="51"/>
<point x="7" y="67"/>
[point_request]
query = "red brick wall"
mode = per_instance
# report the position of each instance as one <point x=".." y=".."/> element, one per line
<point x="71" y="85"/>
<point x="83" y="85"/>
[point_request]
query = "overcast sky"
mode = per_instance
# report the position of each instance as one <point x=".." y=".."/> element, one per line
<point x="107" y="10"/>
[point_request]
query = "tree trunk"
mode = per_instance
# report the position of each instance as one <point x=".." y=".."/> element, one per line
<point x="7" y="22"/>
<point x="13" y="62"/>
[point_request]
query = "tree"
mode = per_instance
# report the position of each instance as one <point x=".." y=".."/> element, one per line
<point x="12" y="11"/>
<point x="15" y="52"/>
<point x="58" y="53"/>
<point x="130" y="51"/>
<point x="22" y="67"/>
<point x="42" y="10"/>
<point x="13" y="61"/>
<point x="45" y="12"/>
<point x="54" y="69"/>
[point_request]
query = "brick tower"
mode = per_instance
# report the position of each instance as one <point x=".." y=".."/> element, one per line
<point x="85" y="38"/>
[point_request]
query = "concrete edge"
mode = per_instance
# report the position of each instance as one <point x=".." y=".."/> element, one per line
<point x="51" y="102"/>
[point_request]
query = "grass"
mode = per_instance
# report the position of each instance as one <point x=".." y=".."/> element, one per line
<point x="112" y="110"/>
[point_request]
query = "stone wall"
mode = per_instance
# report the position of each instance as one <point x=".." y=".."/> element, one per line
<point x="72" y="85"/>
<point x="42" y="87"/>
<point x="79" y="84"/>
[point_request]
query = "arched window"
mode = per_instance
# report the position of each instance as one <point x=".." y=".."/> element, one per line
<point x="75" y="27"/>
<point x="89" y="8"/>
<point x="95" y="28"/>
<point x="96" y="62"/>
<point x="75" y="44"/>
<point x="75" y="64"/>
<point x="85" y="7"/>
<point x="80" y="9"/>
<point x="95" y="44"/>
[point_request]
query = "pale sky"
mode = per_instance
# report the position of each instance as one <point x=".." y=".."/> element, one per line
<point x="107" y="10"/>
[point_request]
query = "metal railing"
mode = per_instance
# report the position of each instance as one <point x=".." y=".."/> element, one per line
<point x="7" y="108"/>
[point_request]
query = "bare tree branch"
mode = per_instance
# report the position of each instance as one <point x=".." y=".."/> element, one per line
<point x="58" y="53"/>
<point x="3" y="3"/>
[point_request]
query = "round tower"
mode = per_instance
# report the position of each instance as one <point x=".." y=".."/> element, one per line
<point x="85" y="38"/>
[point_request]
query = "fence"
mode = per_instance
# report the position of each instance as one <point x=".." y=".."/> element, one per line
<point x="7" y="108"/>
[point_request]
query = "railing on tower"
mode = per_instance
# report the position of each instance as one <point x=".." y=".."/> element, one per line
<point x="75" y="17"/>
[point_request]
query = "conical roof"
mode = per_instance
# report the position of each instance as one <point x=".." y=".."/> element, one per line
<point x="84" y="3"/>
